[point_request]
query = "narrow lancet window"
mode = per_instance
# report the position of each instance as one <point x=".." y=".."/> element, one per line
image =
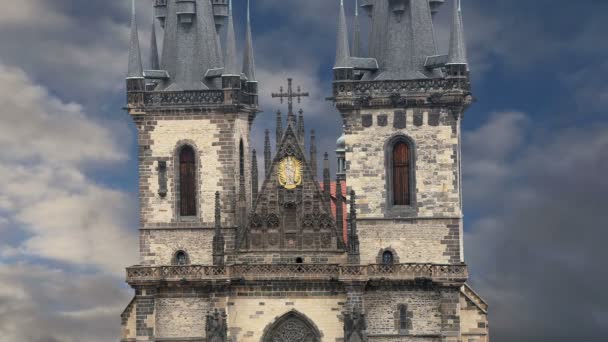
<point x="401" y="174"/>
<point x="187" y="182"/>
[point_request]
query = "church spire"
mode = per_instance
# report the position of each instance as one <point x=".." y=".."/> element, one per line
<point x="458" y="53"/>
<point x="267" y="153"/>
<point x="342" y="49"/>
<point x="230" y="63"/>
<point x="326" y="177"/>
<point x="357" y="33"/>
<point x="254" y="175"/>
<point x="154" y="61"/>
<point x="248" y="56"/>
<point x="313" y="153"/>
<point x="279" y="131"/>
<point x="301" y="129"/>
<point x="135" y="66"/>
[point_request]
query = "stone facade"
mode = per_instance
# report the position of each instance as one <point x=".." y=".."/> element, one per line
<point x="272" y="264"/>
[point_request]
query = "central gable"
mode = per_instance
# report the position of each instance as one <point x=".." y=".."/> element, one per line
<point x="291" y="212"/>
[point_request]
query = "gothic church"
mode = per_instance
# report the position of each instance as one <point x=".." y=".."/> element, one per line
<point x="230" y="251"/>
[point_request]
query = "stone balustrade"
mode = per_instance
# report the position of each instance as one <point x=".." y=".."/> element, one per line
<point x="397" y="272"/>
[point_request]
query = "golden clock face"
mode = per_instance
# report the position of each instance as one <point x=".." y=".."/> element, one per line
<point x="290" y="173"/>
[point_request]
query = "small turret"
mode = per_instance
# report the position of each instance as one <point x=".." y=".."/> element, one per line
<point x="353" y="236"/>
<point x="356" y="33"/>
<point x="267" y="153"/>
<point x="254" y="176"/>
<point x="343" y="70"/>
<point x="326" y="177"/>
<point x="341" y="157"/>
<point x="231" y="78"/>
<point x="301" y="130"/>
<point x="279" y="131"/>
<point x="313" y="153"/>
<point x="135" y="74"/>
<point x="339" y="208"/>
<point x="154" y="60"/>
<point x="249" y="58"/>
<point x="457" y="65"/>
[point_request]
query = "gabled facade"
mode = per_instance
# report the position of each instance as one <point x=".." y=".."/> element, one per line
<point x="225" y="258"/>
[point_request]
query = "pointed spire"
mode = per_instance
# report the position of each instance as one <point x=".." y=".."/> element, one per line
<point x="154" y="61"/>
<point x="313" y="153"/>
<point x="342" y="49"/>
<point x="254" y="175"/>
<point x="279" y="132"/>
<point x="353" y="236"/>
<point x="248" y="56"/>
<point x="230" y="61"/>
<point x="339" y="208"/>
<point x="136" y="69"/>
<point x="267" y="153"/>
<point x="357" y="33"/>
<point x="326" y="177"/>
<point x="301" y="131"/>
<point x="458" y="53"/>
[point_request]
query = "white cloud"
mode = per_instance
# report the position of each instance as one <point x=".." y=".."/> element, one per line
<point x="45" y="146"/>
<point x="45" y="304"/>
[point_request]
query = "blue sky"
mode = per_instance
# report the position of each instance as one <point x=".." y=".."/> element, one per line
<point x="535" y="157"/>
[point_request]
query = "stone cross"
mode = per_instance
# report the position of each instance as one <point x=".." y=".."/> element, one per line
<point x="290" y="95"/>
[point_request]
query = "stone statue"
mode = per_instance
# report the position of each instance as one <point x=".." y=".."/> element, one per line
<point x="354" y="326"/>
<point x="217" y="329"/>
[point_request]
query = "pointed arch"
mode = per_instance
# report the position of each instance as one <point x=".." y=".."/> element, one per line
<point x="400" y="161"/>
<point x="186" y="180"/>
<point x="292" y="327"/>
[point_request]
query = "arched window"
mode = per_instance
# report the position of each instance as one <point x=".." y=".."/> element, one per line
<point x="241" y="159"/>
<point x="187" y="181"/>
<point x="401" y="174"/>
<point x="181" y="258"/>
<point x="388" y="258"/>
<point x="403" y="317"/>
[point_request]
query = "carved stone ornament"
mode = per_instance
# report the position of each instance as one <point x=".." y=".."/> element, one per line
<point x="354" y="327"/>
<point x="400" y="120"/>
<point x="382" y="120"/>
<point x="216" y="327"/>
<point x="292" y="328"/>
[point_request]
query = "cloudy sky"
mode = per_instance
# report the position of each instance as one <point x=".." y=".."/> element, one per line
<point x="535" y="144"/>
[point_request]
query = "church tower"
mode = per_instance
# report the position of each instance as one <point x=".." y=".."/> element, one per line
<point x="376" y="255"/>
<point x="402" y="108"/>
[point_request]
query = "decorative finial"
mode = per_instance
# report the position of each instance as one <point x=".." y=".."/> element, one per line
<point x="135" y="65"/>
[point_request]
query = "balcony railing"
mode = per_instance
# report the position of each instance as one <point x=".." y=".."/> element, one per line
<point x="434" y="272"/>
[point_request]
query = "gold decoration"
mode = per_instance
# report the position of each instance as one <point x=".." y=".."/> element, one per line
<point x="290" y="173"/>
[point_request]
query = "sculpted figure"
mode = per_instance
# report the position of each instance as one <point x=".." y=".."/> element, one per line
<point x="217" y="329"/>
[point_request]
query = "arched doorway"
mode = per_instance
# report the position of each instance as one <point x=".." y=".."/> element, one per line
<point x="292" y="327"/>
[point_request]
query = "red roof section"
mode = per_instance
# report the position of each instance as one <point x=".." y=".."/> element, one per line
<point x="333" y="205"/>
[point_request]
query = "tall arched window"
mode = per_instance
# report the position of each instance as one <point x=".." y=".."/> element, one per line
<point x="241" y="159"/>
<point x="187" y="181"/>
<point x="401" y="174"/>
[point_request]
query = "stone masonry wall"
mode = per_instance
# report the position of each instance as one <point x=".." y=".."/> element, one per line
<point x="182" y="317"/>
<point x="413" y="241"/>
<point x="435" y="135"/>
<point x="215" y="139"/>
<point x="382" y="308"/>
<point x="473" y="322"/>
<point x="158" y="246"/>
<point x="248" y="317"/>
